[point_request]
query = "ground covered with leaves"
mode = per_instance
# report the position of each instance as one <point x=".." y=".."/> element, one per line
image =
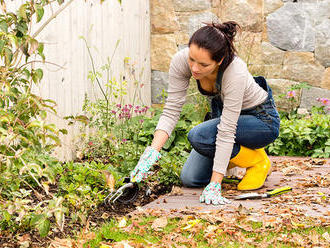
<point x="282" y="221"/>
<point x="157" y="228"/>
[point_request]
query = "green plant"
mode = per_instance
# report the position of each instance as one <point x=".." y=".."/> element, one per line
<point x="27" y="170"/>
<point x="303" y="136"/>
<point x="292" y="99"/>
<point x="111" y="127"/>
<point x="177" y="147"/>
<point x="24" y="131"/>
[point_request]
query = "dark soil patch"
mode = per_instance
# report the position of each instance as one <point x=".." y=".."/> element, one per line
<point x="95" y="218"/>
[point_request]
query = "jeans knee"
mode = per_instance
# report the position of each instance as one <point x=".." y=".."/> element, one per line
<point x="186" y="180"/>
<point x="192" y="136"/>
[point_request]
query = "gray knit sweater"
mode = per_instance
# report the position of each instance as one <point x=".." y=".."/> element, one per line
<point x="239" y="91"/>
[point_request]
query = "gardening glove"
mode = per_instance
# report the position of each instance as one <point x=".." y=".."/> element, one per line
<point x="212" y="194"/>
<point x="147" y="160"/>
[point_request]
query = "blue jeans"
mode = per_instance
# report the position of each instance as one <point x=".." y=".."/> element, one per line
<point x="256" y="128"/>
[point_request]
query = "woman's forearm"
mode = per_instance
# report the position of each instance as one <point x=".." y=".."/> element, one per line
<point x="216" y="177"/>
<point x="160" y="138"/>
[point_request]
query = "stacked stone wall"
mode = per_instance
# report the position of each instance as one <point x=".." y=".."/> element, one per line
<point x="286" y="41"/>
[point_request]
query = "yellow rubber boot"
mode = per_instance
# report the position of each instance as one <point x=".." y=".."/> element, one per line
<point x="258" y="167"/>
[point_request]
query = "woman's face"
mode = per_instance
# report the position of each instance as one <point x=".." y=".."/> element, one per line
<point x="200" y="62"/>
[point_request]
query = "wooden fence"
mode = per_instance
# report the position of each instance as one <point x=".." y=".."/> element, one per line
<point x="102" y="26"/>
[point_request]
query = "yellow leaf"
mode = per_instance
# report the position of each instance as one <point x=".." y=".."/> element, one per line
<point x="326" y="236"/>
<point x="110" y="180"/>
<point x="46" y="187"/>
<point x="122" y="222"/>
<point x="191" y="224"/>
<point x="104" y="246"/>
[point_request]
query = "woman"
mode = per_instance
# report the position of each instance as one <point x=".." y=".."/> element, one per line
<point x="244" y="118"/>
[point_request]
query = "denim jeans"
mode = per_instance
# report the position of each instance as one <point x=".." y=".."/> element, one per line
<point x="256" y="128"/>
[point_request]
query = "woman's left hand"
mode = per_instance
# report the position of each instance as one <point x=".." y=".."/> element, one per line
<point x="212" y="195"/>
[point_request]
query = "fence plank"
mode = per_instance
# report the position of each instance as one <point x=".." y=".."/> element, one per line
<point x="101" y="25"/>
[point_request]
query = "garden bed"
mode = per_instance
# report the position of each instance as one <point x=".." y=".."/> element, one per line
<point x="95" y="218"/>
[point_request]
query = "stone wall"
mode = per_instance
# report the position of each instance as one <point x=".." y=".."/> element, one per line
<point x="287" y="41"/>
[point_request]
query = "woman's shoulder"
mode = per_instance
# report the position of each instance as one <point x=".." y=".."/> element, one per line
<point x="179" y="63"/>
<point x="237" y="65"/>
<point x="182" y="53"/>
<point x="236" y="74"/>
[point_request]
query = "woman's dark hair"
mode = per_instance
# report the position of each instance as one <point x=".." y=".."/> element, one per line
<point x="218" y="39"/>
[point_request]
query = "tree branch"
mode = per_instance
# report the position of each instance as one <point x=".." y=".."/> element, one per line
<point x="51" y="18"/>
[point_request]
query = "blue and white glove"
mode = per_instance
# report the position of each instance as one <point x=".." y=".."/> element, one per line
<point x="212" y="194"/>
<point x="149" y="157"/>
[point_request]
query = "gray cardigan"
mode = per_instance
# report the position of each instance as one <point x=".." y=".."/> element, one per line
<point x="239" y="91"/>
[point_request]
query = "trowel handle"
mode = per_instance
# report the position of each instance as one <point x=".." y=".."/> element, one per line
<point x="278" y="191"/>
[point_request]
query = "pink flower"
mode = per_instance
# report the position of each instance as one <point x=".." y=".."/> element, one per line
<point x="291" y="94"/>
<point x="90" y="143"/>
<point x="125" y="109"/>
<point x="114" y="112"/>
<point x="141" y="121"/>
<point x="324" y="101"/>
<point x="145" y="109"/>
<point x="124" y="140"/>
<point x="118" y="105"/>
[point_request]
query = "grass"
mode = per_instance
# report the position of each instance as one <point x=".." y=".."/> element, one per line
<point x="191" y="231"/>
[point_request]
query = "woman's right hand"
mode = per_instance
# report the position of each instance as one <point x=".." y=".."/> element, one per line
<point x="149" y="157"/>
<point x="212" y="195"/>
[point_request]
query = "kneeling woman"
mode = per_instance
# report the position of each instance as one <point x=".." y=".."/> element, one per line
<point x="243" y="120"/>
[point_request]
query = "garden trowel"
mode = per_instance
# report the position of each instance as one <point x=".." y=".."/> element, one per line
<point x="268" y="194"/>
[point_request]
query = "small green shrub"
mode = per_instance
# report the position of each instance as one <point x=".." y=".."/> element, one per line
<point x="303" y="136"/>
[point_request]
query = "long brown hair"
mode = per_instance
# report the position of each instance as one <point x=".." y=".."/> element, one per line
<point x="218" y="39"/>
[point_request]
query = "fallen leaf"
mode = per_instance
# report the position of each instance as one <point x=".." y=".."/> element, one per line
<point x="159" y="223"/>
<point x="80" y="155"/>
<point x="105" y="216"/>
<point x="176" y="191"/>
<point x="122" y="222"/>
<point x="104" y="246"/>
<point x="109" y="180"/>
<point x="314" y="237"/>
<point x="191" y="224"/>
<point x="122" y="244"/>
<point x="139" y="209"/>
<point x="24" y="241"/>
<point x="326" y="236"/>
<point x="61" y="243"/>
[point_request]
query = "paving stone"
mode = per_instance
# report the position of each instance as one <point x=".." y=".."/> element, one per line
<point x="304" y="199"/>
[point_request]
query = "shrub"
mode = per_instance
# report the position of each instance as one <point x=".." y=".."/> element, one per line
<point x="303" y="136"/>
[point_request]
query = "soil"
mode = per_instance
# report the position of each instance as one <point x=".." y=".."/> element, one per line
<point x="96" y="218"/>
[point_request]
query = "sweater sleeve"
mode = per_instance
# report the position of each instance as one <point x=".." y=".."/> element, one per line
<point x="233" y="87"/>
<point x="179" y="76"/>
